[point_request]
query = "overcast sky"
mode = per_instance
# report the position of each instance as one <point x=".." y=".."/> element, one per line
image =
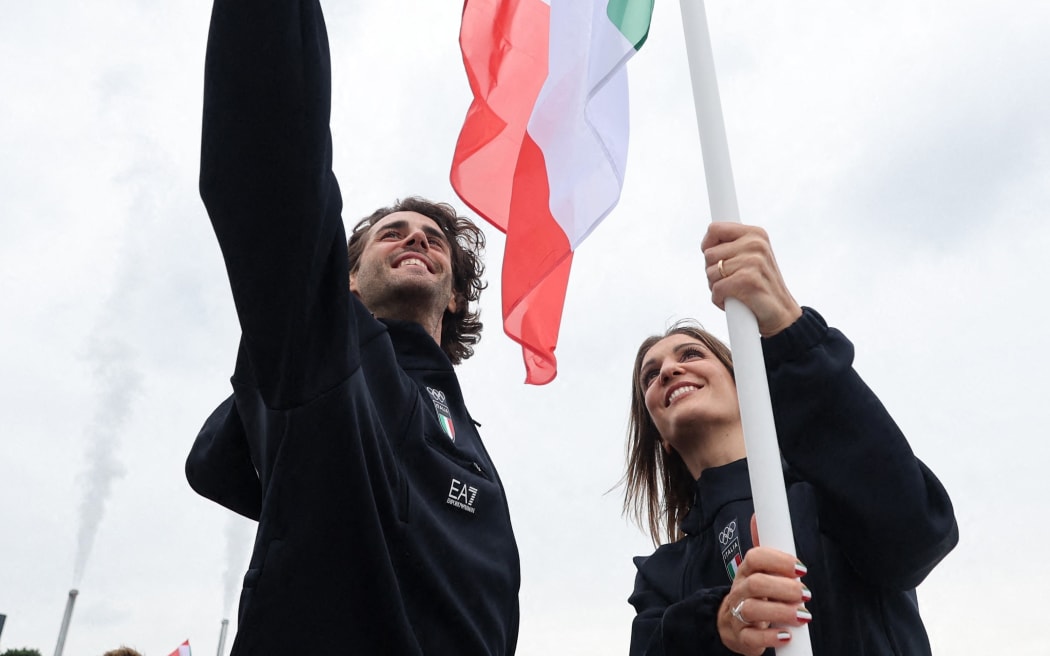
<point x="897" y="152"/>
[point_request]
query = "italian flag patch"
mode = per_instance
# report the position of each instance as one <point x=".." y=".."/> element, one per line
<point x="732" y="559"/>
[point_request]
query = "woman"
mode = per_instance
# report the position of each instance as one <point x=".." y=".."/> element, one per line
<point x="870" y="520"/>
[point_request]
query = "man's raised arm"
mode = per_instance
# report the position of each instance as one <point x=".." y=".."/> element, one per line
<point x="267" y="183"/>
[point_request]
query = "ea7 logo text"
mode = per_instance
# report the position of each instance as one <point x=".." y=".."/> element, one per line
<point x="462" y="496"/>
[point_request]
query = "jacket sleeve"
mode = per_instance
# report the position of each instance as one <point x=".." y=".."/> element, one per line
<point x="274" y="204"/>
<point x="220" y="467"/>
<point x="885" y="509"/>
<point x="686" y="628"/>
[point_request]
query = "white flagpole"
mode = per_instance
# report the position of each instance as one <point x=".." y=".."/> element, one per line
<point x="756" y="411"/>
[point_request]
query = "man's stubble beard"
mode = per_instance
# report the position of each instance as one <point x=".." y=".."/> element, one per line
<point x="420" y="301"/>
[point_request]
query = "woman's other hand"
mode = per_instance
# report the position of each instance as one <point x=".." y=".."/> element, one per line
<point x="767" y="596"/>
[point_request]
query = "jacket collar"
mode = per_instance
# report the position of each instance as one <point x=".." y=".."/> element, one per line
<point x="415" y="348"/>
<point x="715" y="488"/>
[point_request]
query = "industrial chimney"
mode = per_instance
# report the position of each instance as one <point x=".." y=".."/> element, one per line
<point x="222" y="637"/>
<point x="65" y="623"/>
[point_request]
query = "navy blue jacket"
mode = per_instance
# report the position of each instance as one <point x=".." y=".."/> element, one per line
<point x="870" y="520"/>
<point x="381" y="531"/>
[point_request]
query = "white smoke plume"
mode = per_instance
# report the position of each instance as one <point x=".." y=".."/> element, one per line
<point x="238" y="542"/>
<point x="118" y="382"/>
<point x="114" y="372"/>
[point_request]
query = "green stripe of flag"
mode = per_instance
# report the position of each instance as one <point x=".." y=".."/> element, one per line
<point x="632" y="18"/>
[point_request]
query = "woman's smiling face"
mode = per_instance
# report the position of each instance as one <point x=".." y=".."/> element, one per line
<point x="686" y="386"/>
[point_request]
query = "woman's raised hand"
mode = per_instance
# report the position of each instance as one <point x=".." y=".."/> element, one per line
<point x="740" y="264"/>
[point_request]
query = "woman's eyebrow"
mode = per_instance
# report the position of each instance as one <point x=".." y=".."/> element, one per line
<point x="685" y="345"/>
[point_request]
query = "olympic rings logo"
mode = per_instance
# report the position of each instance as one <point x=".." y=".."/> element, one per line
<point x="727" y="533"/>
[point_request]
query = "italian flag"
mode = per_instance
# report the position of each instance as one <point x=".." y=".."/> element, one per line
<point x="183" y="650"/>
<point x="542" y="151"/>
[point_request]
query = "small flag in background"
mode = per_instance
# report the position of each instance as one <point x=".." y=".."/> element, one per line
<point x="542" y="151"/>
<point x="183" y="650"/>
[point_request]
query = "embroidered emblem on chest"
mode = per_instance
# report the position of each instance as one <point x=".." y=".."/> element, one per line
<point x="729" y="540"/>
<point x="443" y="413"/>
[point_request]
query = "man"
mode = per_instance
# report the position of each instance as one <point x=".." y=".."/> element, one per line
<point x="383" y="525"/>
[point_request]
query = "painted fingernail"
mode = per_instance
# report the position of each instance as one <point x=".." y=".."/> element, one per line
<point x="803" y="615"/>
<point x="806" y="594"/>
<point x="783" y="636"/>
<point x="800" y="569"/>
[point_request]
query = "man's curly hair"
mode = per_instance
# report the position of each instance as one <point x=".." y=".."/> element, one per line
<point x="460" y="330"/>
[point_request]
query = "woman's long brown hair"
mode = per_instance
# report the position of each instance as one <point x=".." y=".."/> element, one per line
<point x="658" y="486"/>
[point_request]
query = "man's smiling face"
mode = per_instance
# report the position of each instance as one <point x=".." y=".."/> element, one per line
<point x="405" y="270"/>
